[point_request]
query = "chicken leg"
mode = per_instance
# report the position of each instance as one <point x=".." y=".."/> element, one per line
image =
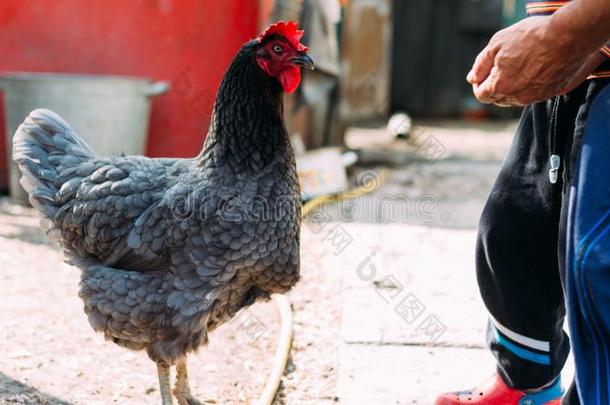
<point x="164" y="385"/>
<point x="182" y="389"/>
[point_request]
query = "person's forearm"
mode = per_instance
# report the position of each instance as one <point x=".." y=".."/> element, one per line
<point x="583" y="25"/>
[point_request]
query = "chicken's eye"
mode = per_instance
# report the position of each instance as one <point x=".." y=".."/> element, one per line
<point x="278" y="49"/>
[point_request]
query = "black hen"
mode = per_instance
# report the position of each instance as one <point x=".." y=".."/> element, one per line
<point x="171" y="248"/>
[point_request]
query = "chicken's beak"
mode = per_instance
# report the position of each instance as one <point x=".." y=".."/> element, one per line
<point x="304" y="61"/>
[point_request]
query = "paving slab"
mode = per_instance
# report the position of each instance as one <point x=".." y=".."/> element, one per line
<point x="413" y="323"/>
<point x="401" y="375"/>
<point x="404" y="375"/>
<point x="400" y="278"/>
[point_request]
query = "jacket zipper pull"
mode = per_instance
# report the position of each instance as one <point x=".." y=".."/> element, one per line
<point x="555" y="162"/>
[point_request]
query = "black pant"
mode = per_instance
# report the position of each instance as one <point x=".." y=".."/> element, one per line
<point x="521" y="242"/>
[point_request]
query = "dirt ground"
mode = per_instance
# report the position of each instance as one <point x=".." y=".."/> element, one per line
<point x="50" y="355"/>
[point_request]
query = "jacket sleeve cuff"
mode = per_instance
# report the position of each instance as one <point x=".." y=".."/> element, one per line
<point x="606" y="50"/>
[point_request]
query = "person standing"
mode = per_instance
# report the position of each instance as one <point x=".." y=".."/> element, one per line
<point x="543" y="239"/>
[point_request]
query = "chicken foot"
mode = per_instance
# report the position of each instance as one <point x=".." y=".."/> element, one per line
<point x="182" y="389"/>
<point x="164" y="384"/>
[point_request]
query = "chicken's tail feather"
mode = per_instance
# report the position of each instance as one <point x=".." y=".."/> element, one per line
<point x="43" y="147"/>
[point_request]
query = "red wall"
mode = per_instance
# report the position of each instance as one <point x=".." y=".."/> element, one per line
<point x="189" y="42"/>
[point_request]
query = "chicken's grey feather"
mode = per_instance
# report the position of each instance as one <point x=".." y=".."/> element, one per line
<point x="171" y="248"/>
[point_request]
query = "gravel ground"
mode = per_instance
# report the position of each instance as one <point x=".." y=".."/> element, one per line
<point x="311" y="376"/>
<point x="50" y="355"/>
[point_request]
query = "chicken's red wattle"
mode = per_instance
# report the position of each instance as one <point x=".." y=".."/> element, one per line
<point x="290" y="78"/>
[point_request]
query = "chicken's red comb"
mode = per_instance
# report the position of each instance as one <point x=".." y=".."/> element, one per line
<point x="289" y="30"/>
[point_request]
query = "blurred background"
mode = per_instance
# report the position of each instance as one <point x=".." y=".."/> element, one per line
<point x="374" y="58"/>
<point x="386" y="131"/>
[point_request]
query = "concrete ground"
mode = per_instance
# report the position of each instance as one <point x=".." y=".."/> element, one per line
<point x="412" y="320"/>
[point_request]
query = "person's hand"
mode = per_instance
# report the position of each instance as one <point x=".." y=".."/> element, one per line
<point x="591" y="63"/>
<point x="527" y="62"/>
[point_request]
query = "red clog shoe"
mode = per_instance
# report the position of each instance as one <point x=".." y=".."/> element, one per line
<point x="496" y="392"/>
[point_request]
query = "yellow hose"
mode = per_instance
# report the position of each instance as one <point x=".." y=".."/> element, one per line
<point x="285" y="340"/>
<point x="366" y="188"/>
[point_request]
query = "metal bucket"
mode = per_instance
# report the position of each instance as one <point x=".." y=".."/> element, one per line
<point x="110" y="112"/>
